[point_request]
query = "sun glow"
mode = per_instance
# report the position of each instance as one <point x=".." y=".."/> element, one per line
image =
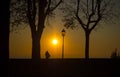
<point x="55" y="41"/>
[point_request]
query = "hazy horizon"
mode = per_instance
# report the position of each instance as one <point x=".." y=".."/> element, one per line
<point x="103" y="41"/>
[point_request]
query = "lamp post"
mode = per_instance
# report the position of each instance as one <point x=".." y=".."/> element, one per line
<point x="63" y="34"/>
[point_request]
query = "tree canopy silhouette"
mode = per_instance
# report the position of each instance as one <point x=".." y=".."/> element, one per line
<point x="87" y="14"/>
<point x="33" y="12"/>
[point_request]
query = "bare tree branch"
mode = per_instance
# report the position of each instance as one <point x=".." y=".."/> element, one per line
<point x="34" y="10"/>
<point x="98" y="14"/>
<point x="30" y="15"/>
<point x="56" y="5"/>
<point x="50" y="9"/>
<point x="77" y="16"/>
<point x="95" y="24"/>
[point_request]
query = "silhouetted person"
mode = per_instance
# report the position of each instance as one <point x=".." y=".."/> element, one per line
<point x="47" y="55"/>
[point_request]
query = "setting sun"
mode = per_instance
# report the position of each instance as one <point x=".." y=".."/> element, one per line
<point x="55" y="41"/>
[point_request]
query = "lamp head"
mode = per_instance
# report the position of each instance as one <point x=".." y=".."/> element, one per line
<point x="63" y="32"/>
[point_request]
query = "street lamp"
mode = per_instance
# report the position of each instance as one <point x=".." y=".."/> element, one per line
<point x="63" y="34"/>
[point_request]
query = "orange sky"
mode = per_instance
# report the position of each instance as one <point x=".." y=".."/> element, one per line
<point x="103" y="41"/>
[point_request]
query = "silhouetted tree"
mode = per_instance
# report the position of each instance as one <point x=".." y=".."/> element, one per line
<point x="87" y="14"/>
<point x="114" y="54"/>
<point x="34" y="12"/>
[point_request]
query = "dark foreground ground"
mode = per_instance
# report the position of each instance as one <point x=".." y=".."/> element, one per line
<point x="64" y="68"/>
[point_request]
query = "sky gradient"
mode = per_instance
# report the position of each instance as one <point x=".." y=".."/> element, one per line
<point x="103" y="41"/>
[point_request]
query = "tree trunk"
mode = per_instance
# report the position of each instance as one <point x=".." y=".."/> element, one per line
<point x="87" y="36"/>
<point x="36" y="47"/>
